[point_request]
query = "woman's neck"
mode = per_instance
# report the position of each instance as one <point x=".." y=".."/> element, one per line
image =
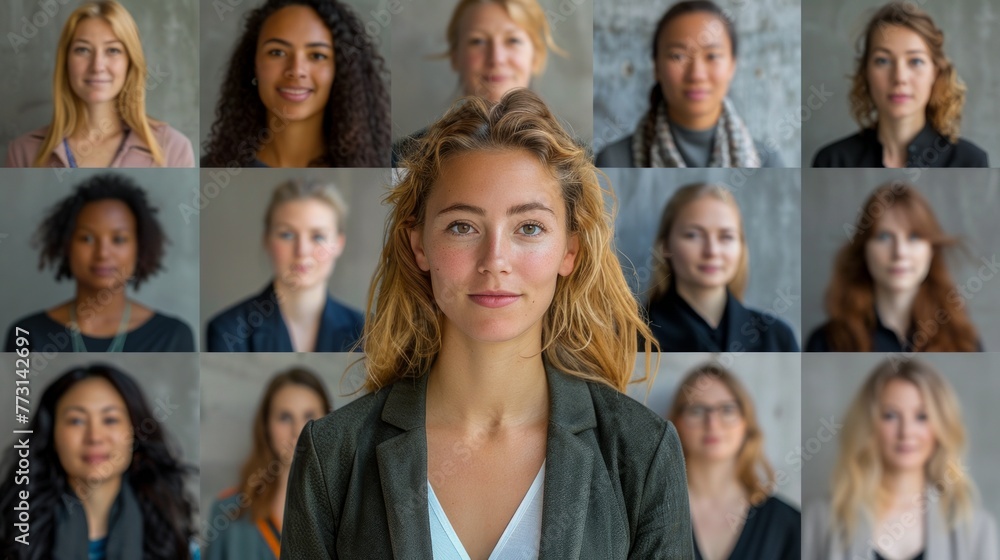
<point x="488" y="385"/>
<point x="100" y="121"/>
<point x="895" y="310"/>
<point x="903" y="488"/>
<point x="710" y="303"/>
<point x="294" y="143"/>
<point x="278" y="503"/>
<point x="97" y="499"/>
<point x="896" y="135"/>
<point x="300" y="304"/>
<point x="694" y="122"/>
<point x="713" y="480"/>
<point x="98" y="306"/>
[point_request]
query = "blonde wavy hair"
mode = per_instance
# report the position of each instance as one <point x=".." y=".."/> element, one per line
<point x="592" y="326"/>
<point x="944" y="109"/>
<point x="527" y="14"/>
<point x="68" y="112"/>
<point x="858" y="493"/>
<point x="753" y="471"/>
<point x="662" y="272"/>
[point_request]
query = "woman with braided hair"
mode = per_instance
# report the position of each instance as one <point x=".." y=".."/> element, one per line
<point x="691" y="122"/>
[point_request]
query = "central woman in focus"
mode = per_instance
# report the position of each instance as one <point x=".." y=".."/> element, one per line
<point x="502" y="335"/>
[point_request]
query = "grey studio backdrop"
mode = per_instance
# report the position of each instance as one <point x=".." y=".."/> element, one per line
<point x="830" y="382"/>
<point x="222" y="26"/>
<point x="965" y="203"/>
<point x="234" y="263"/>
<point x="774" y="383"/>
<point x="169" y="33"/>
<point x="424" y="85"/>
<point x="765" y="88"/>
<point x="769" y="203"/>
<point x="169" y="382"/>
<point x="231" y="388"/>
<point x="28" y="194"/>
<point x="828" y="60"/>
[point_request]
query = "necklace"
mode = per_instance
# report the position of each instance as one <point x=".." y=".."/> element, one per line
<point x="117" y="345"/>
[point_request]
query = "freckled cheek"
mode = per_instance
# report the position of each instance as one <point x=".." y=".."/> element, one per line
<point x="450" y="269"/>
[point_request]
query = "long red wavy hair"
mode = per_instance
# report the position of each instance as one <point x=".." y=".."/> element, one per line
<point x="938" y="313"/>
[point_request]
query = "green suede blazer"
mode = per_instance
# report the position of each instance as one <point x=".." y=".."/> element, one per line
<point x="615" y="485"/>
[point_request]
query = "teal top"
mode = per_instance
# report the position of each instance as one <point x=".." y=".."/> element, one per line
<point x="227" y="538"/>
<point x="98" y="550"/>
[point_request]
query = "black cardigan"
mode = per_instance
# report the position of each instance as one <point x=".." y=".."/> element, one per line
<point x="928" y="149"/>
<point x="772" y="530"/>
<point x="679" y="328"/>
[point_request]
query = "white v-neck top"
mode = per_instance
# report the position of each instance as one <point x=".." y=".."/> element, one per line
<point x="519" y="541"/>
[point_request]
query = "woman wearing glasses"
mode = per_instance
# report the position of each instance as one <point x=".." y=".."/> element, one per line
<point x="734" y="513"/>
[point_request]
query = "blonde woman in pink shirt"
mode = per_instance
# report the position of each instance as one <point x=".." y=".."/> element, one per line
<point x="99" y="111"/>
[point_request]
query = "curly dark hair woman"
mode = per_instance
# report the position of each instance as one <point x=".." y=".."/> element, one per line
<point x="54" y="235"/>
<point x="104" y="237"/>
<point x="286" y="87"/>
<point x="97" y="445"/>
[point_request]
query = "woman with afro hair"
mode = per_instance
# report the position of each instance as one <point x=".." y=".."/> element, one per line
<point x="104" y="237"/>
<point x="304" y="87"/>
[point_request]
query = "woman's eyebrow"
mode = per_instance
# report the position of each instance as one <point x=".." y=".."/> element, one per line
<point x="287" y="44"/>
<point x="518" y="209"/>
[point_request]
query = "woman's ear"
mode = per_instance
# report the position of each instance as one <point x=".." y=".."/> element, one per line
<point x="417" y="246"/>
<point x="569" y="259"/>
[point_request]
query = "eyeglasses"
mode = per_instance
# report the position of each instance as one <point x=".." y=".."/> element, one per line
<point x="728" y="413"/>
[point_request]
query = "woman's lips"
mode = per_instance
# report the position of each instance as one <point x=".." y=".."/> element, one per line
<point x="696" y="94"/>
<point x="495" y="300"/>
<point x="295" y="95"/>
<point x="104" y="271"/>
<point x="899" y="98"/>
<point x="96" y="458"/>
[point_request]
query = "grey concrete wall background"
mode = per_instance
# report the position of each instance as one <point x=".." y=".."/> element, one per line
<point x="828" y="59"/>
<point x="774" y="383"/>
<point x="169" y="381"/>
<point x="424" y="86"/>
<point x="169" y="34"/>
<point x="222" y="26"/>
<point x="231" y="388"/>
<point x="830" y="382"/>
<point x="234" y="263"/>
<point x="964" y="201"/>
<point x="765" y="88"/>
<point x="28" y="194"/>
<point x="769" y="203"/>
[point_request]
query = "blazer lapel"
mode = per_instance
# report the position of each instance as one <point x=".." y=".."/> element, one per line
<point x="861" y="546"/>
<point x="271" y="335"/>
<point x="737" y="317"/>
<point x="937" y="532"/>
<point x="569" y="467"/>
<point x="402" y="465"/>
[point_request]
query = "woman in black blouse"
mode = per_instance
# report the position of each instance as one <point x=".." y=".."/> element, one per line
<point x="907" y="97"/>
<point x="104" y="237"/>
<point x="695" y="304"/>
<point x="734" y="513"/>
<point x="891" y="290"/>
